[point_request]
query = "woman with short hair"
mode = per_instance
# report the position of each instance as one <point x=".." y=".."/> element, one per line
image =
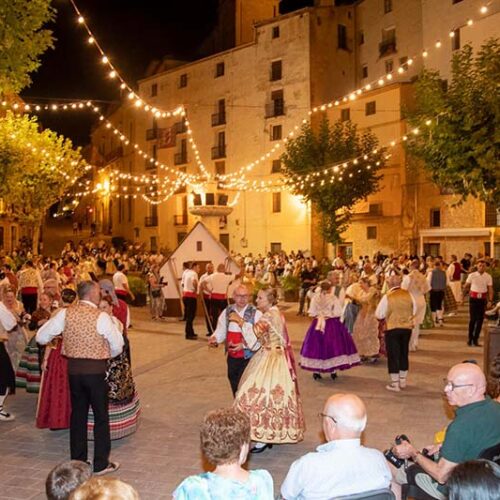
<point x="225" y="440"/>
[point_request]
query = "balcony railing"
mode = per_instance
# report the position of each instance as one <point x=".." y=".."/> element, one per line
<point x="180" y="158"/>
<point x="180" y="127"/>
<point x="275" y="108"/>
<point x="387" y="47"/>
<point x="219" y="119"/>
<point x="152" y="134"/>
<point x="218" y="152"/>
<point x="180" y="220"/>
<point x="151" y="221"/>
<point x="113" y="155"/>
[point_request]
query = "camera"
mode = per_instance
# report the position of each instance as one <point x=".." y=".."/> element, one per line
<point x="391" y="457"/>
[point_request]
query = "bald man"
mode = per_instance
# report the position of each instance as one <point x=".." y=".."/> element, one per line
<point x="342" y="466"/>
<point x="475" y="428"/>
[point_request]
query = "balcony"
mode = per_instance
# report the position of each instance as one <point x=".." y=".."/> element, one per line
<point x="219" y="152"/>
<point x="114" y="155"/>
<point x="151" y="221"/>
<point x="152" y="134"/>
<point x="181" y="220"/>
<point x="180" y="158"/>
<point x="275" y="108"/>
<point x="219" y="119"/>
<point x="179" y="127"/>
<point x="387" y="47"/>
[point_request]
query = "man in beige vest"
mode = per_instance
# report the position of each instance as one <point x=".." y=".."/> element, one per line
<point x="90" y="338"/>
<point x="398" y="308"/>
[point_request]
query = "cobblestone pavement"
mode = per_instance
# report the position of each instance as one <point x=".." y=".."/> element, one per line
<point x="179" y="380"/>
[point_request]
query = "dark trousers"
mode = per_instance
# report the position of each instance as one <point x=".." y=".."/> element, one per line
<point x="29" y="301"/>
<point x="218" y="305"/>
<point x="396" y="344"/>
<point x="89" y="391"/>
<point x="436" y="298"/>
<point x="477" y="307"/>
<point x="235" y="369"/>
<point x="190" y="313"/>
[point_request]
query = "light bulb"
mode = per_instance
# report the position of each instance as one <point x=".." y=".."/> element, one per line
<point x="104" y="60"/>
<point x="81" y="20"/>
<point x="483" y="9"/>
<point x="91" y="40"/>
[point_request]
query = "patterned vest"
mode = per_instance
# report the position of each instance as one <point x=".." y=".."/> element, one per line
<point x="399" y="309"/>
<point x="80" y="337"/>
<point x="237" y="337"/>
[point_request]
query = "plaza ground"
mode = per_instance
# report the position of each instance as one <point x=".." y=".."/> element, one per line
<point x="179" y="380"/>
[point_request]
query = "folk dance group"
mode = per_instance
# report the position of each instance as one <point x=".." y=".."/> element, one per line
<point x="79" y="364"/>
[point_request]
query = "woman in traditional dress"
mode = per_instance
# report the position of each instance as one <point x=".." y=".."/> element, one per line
<point x="268" y="391"/>
<point x="366" y="327"/>
<point x="8" y="322"/>
<point x="418" y="286"/>
<point x="17" y="338"/>
<point x="29" y="373"/>
<point x="328" y="345"/>
<point x="54" y="401"/>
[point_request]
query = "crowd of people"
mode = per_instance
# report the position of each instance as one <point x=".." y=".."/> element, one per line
<point x="78" y="361"/>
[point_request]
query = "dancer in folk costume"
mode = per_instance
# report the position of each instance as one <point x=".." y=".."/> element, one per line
<point x="17" y="338"/>
<point x="8" y="323"/>
<point x="328" y="345"/>
<point x="268" y="390"/>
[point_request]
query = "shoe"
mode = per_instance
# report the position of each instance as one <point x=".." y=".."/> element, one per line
<point x="333" y="375"/>
<point x="477" y="344"/>
<point x="260" y="449"/>
<point x="393" y="387"/>
<point x="6" y="417"/>
<point x="317" y="376"/>
<point x="112" y="467"/>
<point x="469" y="342"/>
<point x="192" y="337"/>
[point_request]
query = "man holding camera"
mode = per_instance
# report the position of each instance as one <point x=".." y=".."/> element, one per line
<point x="474" y="429"/>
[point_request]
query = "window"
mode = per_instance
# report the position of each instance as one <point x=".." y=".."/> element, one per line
<point x="220" y="167"/>
<point x="388" y="44"/>
<point x="183" y="80"/>
<point x="370" y="108"/>
<point x="371" y="232"/>
<point x="210" y="199"/>
<point x="389" y="65"/>
<point x="130" y="208"/>
<point x="364" y="71"/>
<point x="199" y="246"/>
<point x="277" y="103"/>
<point x="453" y="2"/>
<point x="154" y="90"/>
<point x="491" y="215"/>
<point x="341" y="36"/>
<point x="275" y="248"/>
<point x="455" y="39"/>
<point x="276" y="203"/>
<point x="154" y="152"/>
<point x="276" y="131"/>
<point x="361" y="37"/>
<point x="276" y="32"/>
<point x="219" y="69"/>
<point x="276" y="167"/>
<point x="375" y="208"/>
<point x="435" y="217"/>
<point x="387" y="6"/>
<point x="276" y="71"/>
<point x="345" y="114"/>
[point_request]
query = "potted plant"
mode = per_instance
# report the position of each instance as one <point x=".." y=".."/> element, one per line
<point x="291" y="286"/>
<point x="138" y="287"/>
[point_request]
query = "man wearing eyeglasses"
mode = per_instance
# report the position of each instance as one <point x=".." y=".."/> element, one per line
<point x="235" y="328"/>
<point x="475" y="428"/>
<point x="342" y="466"/>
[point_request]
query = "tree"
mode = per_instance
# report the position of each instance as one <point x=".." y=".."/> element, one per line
<point x="459" y="140"/>
<point x="314" y="169"/>
<point x="36" y="169"/>
<point x="22" y="41"/>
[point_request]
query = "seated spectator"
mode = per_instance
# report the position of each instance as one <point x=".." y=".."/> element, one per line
<point x="474" y="429"/>
<point x="105" y="488"/>
<point x="493" y="386"/>
<point x="64" y="478"/>
<point x="475" y="480"/>
<point x="342" y="466"/>
<point x="225" y="440"/>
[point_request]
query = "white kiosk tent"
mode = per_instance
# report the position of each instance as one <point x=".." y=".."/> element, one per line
<point x="199" y="245"/>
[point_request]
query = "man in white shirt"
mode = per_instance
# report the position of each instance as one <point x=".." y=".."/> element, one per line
<point x="480" y="285"/>
<point x="189" y="298"/>
<point x="89" y="339"/>
<point x="342" y="466"/>
<point x="235" y="329"/>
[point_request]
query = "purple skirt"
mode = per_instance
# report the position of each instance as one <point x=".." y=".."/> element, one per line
<point x="330" y="350"/>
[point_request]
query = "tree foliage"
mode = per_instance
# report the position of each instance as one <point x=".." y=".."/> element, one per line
<point x="335" y="193"/>
<point x="36" y="168"/>
<point x="460" y="148"/>
<point x="22" y="41"/>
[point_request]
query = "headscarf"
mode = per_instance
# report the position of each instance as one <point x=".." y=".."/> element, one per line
<point x="108" y="288"/>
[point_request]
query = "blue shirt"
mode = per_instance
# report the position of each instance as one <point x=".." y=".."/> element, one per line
<point x="210" y="486"/>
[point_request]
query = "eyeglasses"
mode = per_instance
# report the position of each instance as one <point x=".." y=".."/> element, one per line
<point x="324" y="415"/>
<point x="453" y="386"/>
